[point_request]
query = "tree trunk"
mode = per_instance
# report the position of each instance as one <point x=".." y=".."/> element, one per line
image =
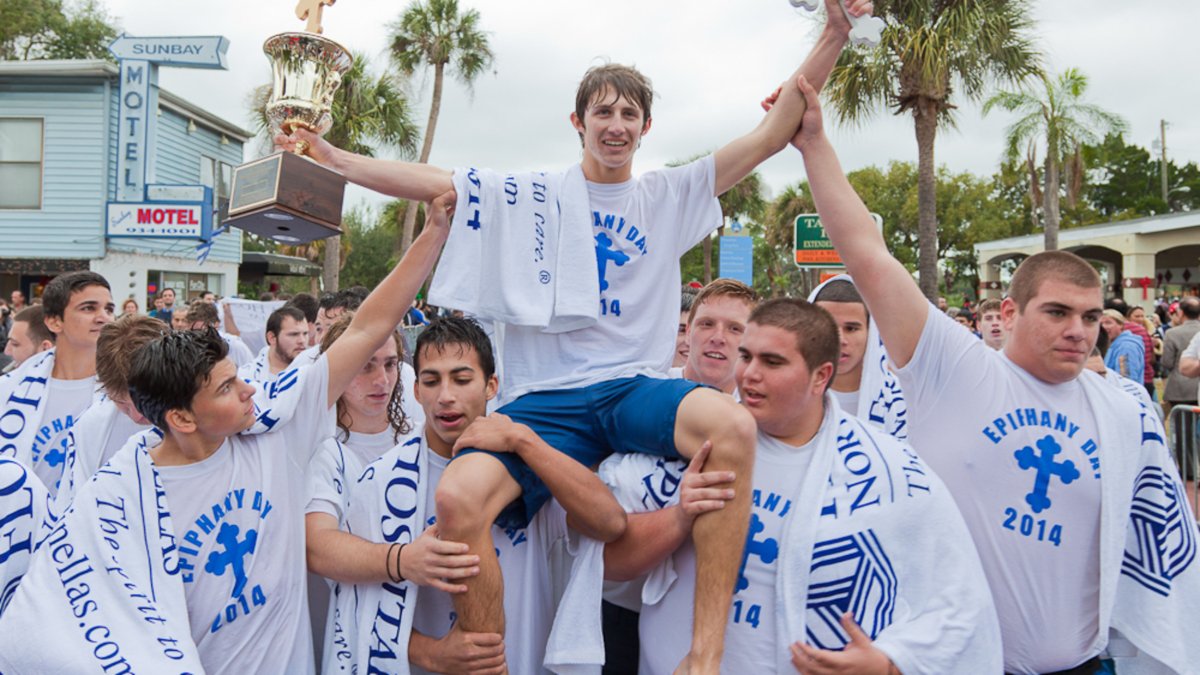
<point x="331" y="263"/>
<point x="1050" y="214"/>
<point x="410" y="211"/>
<point x="925" y="117"/>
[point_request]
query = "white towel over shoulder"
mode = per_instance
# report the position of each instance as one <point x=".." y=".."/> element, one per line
<point x="520" y="250"/>
<point x="104" y="593"/>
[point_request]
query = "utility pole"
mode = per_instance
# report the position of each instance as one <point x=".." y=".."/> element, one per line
<point x="1162" y="131"/>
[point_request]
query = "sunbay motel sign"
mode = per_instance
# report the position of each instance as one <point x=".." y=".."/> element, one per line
<point x="139" y="211"/>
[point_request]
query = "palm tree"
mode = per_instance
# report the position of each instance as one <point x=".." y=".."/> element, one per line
<point x="368" y="112"/>
<point x="929" y="49"/>
<point x="1066" y="122"/>
<point x="434" y="33"/>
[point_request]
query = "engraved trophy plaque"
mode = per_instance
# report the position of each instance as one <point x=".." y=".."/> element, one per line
<point x="286" y="196"/>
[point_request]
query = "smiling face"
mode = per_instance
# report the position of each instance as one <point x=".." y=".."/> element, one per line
<point x="1052" y="338"/>
<point x="612" y="128"/>
<point x="776" y="385"/>
<point x="87" y="311"/>
<point x="713" y="339"/>
<point x="851" y="318"/>
<point x="367" y="398"/>
<point x="452" y="390"/>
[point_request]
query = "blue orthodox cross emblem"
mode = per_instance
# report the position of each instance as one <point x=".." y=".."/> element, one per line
<point x="1046" y="468"/>
<point x="766" y="549"/>
<point x="233" y="556"/>
<point x="604" y="253"/>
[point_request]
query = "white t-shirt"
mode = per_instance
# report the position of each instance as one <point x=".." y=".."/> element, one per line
<point x="642" y="226"/>
<point x="334" y="469"/>
<point x="1021" y="459"/>
<point x="239" y="524"/>
<point x="65" y="402"/>
<point x="238" y="351"/>
<point x="529" y="600"/>
<point x="750" y="635"/>
<point x="846" y="400"/>
<point x="100" y="432"/>
<point x="1193" y="352"/>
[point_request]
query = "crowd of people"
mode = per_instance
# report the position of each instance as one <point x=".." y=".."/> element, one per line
<point x="560" y="478"/>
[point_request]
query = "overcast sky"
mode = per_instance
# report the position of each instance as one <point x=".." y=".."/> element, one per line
<point x="710" y="66"/>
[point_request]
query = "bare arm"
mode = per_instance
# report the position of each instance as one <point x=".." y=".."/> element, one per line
<point x="1189" y="367"/>
<point x="228" y="324"/>
<point x="591" y="508"/>
<point x="427" y="561"/>
<point x="406" y="180"/>
<point x="384" y="308"/>
<point x="341" y="556"/>
<point x="893" y="298"/>
<point x="650" y="537"/>
<point x="737" y="159"/>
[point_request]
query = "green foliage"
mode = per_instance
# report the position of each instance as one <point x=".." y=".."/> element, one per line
<point x="1125" y="182"/>
<point x="371" y="233"/>
<point x="435" y="33"/>
<point x="930" y="54"/>
<point x="54" y="29"/>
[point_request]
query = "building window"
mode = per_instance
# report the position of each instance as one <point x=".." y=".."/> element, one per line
<point x="20" y="163"/>
<point x="219" y="176"/>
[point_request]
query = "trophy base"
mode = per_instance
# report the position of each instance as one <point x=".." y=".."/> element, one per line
<point x="287" y="198"/>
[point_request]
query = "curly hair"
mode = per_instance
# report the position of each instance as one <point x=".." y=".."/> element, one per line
<point x="396" y="416"/>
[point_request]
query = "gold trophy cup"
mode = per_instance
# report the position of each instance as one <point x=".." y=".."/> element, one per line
<point x="286" y="196"/>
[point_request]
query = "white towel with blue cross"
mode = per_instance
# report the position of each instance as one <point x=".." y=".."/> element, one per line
<point x="518" y="251"/>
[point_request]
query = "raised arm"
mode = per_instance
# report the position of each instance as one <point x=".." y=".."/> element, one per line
<point x="591" y="508"/>
<point x="737" y="159"/>
<point x="406" y="180"/>
<point x="896" y="303"/>
<point x="383" y="309"/>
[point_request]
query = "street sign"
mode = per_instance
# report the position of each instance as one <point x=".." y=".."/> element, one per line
<point x="169" y="220"/>
<point x="813" y="248"/>
<point x="737" y="259"/>
<point x="190" y="51"/>
<point x="812" y="245"/>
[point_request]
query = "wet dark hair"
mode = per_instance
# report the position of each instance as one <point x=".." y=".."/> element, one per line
<point x="395" y="412"/>
<point x="58" y="292"/>
<point x="307" y="303"/>
<point x="167" y="373"/>
<point x="326" y="300"/>
<point x="456" y="331"/>
<point x="348" y="299"/>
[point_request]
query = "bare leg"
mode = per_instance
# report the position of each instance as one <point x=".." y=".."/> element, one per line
<point x="719" y="535"/>
<point x="474" y="490"/>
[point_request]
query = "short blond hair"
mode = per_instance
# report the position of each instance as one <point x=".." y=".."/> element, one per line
<point x="723" y="288"/>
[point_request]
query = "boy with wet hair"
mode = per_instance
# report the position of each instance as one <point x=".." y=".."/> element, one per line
<point x="555" y="381"/>
<point x="28" y="336"/>
<point x="991" y="324"/>
<point x="210" y="539"/>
